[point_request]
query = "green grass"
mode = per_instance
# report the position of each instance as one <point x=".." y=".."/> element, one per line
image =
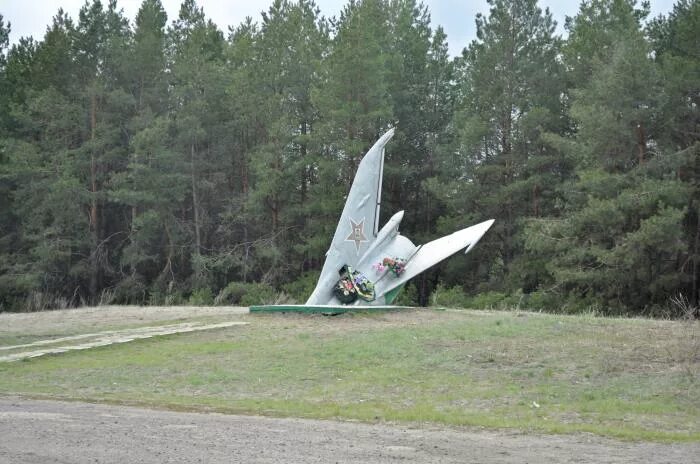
<point x="630" y="379"/>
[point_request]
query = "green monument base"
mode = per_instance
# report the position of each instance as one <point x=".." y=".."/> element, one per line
<point x="321" y="309"/>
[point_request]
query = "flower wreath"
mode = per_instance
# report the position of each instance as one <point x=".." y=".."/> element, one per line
<point x="353" y="285"/>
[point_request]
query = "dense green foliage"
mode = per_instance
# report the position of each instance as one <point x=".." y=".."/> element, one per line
<point x="152" y="163"/>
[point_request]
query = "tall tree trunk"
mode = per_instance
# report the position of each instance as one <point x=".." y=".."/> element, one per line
<point x="275" y="216"/>
<point x="641" y="143"/>
<point x="423" y="294"/>
<point x="94" y="234"/>
<point x="134" y="208"/>
<point x="274" y="199"/>
<point x="696" y="250"/>
<point x="536" y="200"/>
<point x="245" y="187"/>
<point x="195" y="203"/>
<point x="303" y="153"/>
<point x="169" y="260"/>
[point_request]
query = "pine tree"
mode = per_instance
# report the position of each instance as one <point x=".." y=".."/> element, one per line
<point x="619" y="243"/>
<point x="5" y="87"/>
<point x="196" y="51"/>
<point x="48" y="246"/>
<point x="593" y="32"/>
<point x="287" y="56"/>
<point x="500" y="166"/>
<point x="7" y="218"/>
<point x="422" y="92"/>
<point x="674" y="41"/>
<point x="152" y="186"/>
<point x="100" y="45"/>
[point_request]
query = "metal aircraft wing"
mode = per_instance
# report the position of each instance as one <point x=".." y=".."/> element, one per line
<point x="432" y="253"/>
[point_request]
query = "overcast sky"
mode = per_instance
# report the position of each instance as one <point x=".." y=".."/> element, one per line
<point x="30" y="17"/>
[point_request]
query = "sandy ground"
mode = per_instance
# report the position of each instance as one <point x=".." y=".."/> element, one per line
<point x="50" y="332"/>
<point x="38" y="431"/>
<point x="93" y="340"/>
<point x="82" y="319"/>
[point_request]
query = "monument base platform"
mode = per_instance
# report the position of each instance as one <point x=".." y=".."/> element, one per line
<point x="322" y="309"/>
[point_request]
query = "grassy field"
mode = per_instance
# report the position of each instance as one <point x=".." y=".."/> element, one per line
<point x="625" y="378"/>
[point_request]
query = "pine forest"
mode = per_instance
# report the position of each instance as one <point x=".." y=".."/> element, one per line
<point x="163" y="161"/>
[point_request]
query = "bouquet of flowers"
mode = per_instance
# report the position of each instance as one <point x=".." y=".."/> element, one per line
<point x="395" y="265"/>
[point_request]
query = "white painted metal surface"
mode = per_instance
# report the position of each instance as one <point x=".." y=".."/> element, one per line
<point x="358" y="242"/>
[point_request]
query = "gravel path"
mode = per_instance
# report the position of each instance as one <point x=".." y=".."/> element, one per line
<point x="33" y="431"/>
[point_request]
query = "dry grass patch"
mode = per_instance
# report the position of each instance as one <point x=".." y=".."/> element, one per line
<point x="557" y="374"/>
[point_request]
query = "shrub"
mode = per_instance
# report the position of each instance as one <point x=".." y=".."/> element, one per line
<point x="41" y="301"/>
<point x="130" y="290"/>
<point x="247" y="294"/>
<point x="155" y="298"/>
<point x="453" y="297"/>
<point x="174" y="298"/>
<point x="539" y="301"/>
<point x="408" y="296"/>
<point x="300" y="289"/>
<point x="491" y="300"/>
<point x="262" y="294"/>
<point x="201" y="297"/>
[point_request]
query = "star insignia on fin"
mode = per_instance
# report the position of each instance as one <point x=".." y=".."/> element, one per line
<point x="357" y="235"/>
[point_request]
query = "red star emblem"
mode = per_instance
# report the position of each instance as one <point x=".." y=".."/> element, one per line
<point x="357" y="235"/>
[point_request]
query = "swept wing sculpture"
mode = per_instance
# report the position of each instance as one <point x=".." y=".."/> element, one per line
<point x="359" y="246"/>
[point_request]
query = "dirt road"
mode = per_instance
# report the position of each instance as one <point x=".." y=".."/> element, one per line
<point x="34" y="431"/>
